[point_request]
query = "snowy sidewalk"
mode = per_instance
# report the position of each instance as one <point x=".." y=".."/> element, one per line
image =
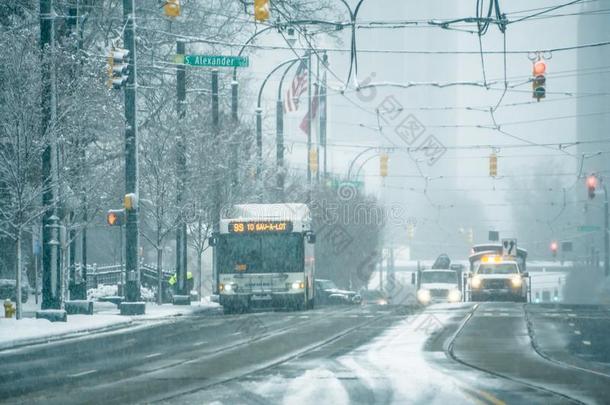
<point x="29" y="331"/>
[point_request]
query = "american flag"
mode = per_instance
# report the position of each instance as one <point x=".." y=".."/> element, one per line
<point x="297" y="88"/>
<point x="315" y="103"/>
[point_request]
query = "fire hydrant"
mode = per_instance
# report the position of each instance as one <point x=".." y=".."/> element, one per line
<point x="9" y="309"/>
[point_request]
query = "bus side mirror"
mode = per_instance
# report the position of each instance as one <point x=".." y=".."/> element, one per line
<point x="213" y="240"/>
<point x="311" y="237"/>
<point x="413" y="278"/>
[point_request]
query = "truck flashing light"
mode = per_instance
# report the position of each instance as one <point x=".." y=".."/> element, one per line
<point x="491" y="259"/>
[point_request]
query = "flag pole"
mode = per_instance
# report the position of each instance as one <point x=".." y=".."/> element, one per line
<point x="308" y="117"/>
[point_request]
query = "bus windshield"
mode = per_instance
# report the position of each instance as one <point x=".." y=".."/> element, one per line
<point x="260" y="253"/>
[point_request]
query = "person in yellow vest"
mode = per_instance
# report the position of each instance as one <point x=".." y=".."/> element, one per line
<point x="190" y="283"/>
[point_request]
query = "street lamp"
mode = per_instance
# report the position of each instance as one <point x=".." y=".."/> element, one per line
<point x="259" y="118"/>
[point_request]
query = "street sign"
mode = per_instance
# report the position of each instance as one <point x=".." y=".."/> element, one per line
<point x="509" y="247"/>
<point x="588" y="228"/>
<point x="494" y="236"/>
<point x="216" y="61"/>
<point x="566" y="246"/>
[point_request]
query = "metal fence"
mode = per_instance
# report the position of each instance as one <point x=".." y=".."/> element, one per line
<point x="114" y="274"/>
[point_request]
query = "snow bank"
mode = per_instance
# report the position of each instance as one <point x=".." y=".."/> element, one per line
<point x="104" y="290"/>
<point x="14" y="332"/>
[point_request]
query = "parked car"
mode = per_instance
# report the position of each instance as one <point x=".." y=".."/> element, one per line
<point x="8" y="290"/>
<point x="328" y="293"/>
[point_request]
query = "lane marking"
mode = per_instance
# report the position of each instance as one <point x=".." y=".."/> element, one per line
<point x="577" y="332"/>
<point x="236" y="333"/>
<point x="571" y="324"/>
<point x="153" y="355"/>
<point x="572" y="315"/>
<point x="586" y="343"/>
<point x="480" y="396"/>
<point x="82" y="373"/>
<point x="504" y="314"/>
<point x="200" y="343"/>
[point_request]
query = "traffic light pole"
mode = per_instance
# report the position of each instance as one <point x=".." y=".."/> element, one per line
<point x="51" y="297"/>
<point x="132" y="287"/>
<point x="181" y="175"/>
<point x="606" y="235"/>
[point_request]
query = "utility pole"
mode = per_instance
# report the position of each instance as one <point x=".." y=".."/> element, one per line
<point x="279" y="143"/>
<point x="181" y="175"/>
<point x="132" y="285"/>
<point x="51" y="297"/>
<point x="318" y="83"/>
<point x="234" y="137"/>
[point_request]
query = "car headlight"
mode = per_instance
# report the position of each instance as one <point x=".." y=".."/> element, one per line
<point x="454" y="296"/>
<point x="298" y="285"/>
<point x="423" y="296"/>
<point x="516" y="281"/>
<point x="475" y="282"/>
<point x="228" y="287"/>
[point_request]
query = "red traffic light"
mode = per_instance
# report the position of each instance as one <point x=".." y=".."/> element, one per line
<point x="591" y="186"/>
<point x="115" y="217"/>
<point x="539" y="68"/>
<point x="554" y="248"/>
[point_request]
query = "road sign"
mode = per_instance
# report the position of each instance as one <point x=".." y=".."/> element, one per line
<point x="588" y="228"/>
<point x="509" y="247"/>
<point x="217" y="61"/>
<point x="566" y="246"/>
<point x="494" y="236"/>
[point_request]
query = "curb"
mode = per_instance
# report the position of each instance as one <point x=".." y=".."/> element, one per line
<point x="63" y="336"/>
<point x="83" y="332"/>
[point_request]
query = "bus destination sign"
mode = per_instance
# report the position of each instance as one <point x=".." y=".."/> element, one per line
<point x="260" y="227"/>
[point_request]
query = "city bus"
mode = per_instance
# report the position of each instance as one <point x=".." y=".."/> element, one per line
<point x="264" y="257"/>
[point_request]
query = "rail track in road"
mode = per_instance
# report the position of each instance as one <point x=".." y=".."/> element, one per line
<point x="450" y="353"/>
<point x="538" y="349"/>
<point x="276" y="362"/>
<point x="156" y="375"/>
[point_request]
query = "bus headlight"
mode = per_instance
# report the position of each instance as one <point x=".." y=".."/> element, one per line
<point x="454" y="296"/>
<point x="475" y="282"/>
<point x="298" y="285"/>
<point x="423" y="296"/>
<point x="516" y="281"/>
<point x="228" y="287"/>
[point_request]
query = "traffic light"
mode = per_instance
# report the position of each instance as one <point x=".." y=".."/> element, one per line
<point x="261" y="10"/>
<point x="411" y="231"/>
<point x="115" y="217"/>
<point x="130" y="202"/>
<point x="539" y="80"/>
<point x="470" y="235"/>
<point x="554" y="247"/>
<point x="118" y="67"/>
<point x="313" y="160"/>
<point x="591" y="186"/>
<point x="172" y="8"/>
<point x="493" y="165"/>
<point x="383" y="165"/>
